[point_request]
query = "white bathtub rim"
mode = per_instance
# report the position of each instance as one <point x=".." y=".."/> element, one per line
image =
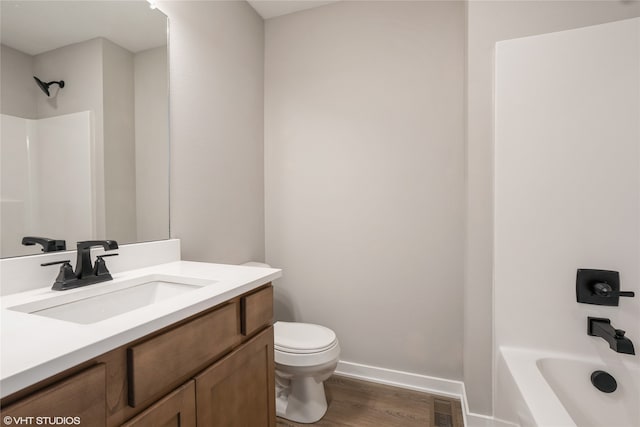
<point x="542" y="402"/>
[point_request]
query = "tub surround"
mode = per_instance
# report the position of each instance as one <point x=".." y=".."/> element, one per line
<point x="560" y="111"/>
<point x="36" y="347"/>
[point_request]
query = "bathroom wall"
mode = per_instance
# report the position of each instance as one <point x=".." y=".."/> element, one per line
<point x="216" y="103"/>
<point x="152" y="140"/>
<point x="119" y="147"/>
<point x="17" y="87"/>
<point x="80" y="66"/>
<point x="364" y="178"/>
<point x="487" y="23"/>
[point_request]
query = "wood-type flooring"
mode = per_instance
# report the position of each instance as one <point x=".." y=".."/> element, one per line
<point x="357" y="403"/>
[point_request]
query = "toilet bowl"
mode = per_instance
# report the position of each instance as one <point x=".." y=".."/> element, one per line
<point x="305" y="356"/>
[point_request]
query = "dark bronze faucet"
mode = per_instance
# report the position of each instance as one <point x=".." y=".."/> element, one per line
<point x="86" y="273"/>
<point x="48" y="245"/>
<point x="601" y="327"/>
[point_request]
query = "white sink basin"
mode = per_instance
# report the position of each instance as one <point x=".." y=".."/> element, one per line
<point x="91" y="305"/>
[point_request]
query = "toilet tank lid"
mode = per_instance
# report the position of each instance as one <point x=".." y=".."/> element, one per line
<point x="294" y="337"/>
<point x="256" y="264"/>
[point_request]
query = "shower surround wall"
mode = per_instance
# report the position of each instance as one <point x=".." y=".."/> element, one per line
<point x="487" y="23"/>
<point x="567" y="185"/>
<point x="31" y="198"/>
<point x="364" y="178"/>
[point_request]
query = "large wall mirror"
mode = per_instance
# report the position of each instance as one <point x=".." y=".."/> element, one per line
<point x="90" y="158"/>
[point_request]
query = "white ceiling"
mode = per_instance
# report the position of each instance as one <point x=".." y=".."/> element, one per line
<point x="272" y="8"/>
<point x="34" y="27"/>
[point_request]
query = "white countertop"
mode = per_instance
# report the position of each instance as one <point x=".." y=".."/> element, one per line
<point x="35" y="347"/>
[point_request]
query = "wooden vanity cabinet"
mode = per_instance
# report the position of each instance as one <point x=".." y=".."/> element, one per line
<point x="163" y="362"/>
<point x="178" y="409"/>
<point x="239" y="390"/>
<point x="256" y="311"/>
<point x="76" y="400"/>
<point x="213" y="369"/>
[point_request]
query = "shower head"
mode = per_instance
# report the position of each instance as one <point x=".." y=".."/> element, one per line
<point x="45" y="86"/>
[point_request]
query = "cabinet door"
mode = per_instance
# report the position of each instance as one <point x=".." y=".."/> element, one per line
<point x="79" y="399"/>
<point x="178" y="409"/>
<point x="239" y="390"/>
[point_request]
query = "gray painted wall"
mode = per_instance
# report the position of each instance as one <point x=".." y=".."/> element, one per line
<point x="152" y="143"/>
<point x="364" y="178"/>
<point x="216" y="103"/>
<point x="18" y="90"/>
<point x="119" y="143"/>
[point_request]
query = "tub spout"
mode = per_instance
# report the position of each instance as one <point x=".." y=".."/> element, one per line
<point x="601" y="327"/>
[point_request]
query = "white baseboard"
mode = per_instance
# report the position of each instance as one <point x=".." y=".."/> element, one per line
<point x="433" y="385"/>
<point x="417" y="382"/>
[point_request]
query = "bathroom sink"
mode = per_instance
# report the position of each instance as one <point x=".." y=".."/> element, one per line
<point x="96" y="303"/>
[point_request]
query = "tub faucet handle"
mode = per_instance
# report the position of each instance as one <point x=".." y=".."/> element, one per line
<point x="603" y="289"/>
<point x="599" y="287"/>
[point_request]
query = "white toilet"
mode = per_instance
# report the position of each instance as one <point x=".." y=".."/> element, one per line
<point x="305" y="356"/>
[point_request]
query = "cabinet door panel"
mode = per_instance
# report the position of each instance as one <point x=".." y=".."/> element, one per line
<point x="81" y="395"/>
<point x="178" y="409"/>
<point x="239" y="390"/>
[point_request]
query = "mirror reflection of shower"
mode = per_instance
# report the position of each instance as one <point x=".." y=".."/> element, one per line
<point x="45" y="86"/>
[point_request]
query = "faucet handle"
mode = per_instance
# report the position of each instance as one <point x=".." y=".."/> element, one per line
<point x="65" y="275"/>
<point x="105" y="255"/>
<point x="600" y="287"/>
<point x="66" y="261"/>
<point x="603" y="289"/>
<point x="100" y="267"/>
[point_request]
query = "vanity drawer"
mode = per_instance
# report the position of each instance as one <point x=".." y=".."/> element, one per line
<point x="257" y="310"/>
<point x="156" y="366"/>
<point x="81" y="397"/>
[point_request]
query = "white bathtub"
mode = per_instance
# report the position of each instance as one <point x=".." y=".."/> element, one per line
<point x="553" y="390"/>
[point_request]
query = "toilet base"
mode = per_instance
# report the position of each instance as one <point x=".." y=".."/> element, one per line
<point x="302" y="401"/>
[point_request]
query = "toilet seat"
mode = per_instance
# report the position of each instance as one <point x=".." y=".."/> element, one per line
<point x="304" y="345"/>
<point x="302" y="338"/>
